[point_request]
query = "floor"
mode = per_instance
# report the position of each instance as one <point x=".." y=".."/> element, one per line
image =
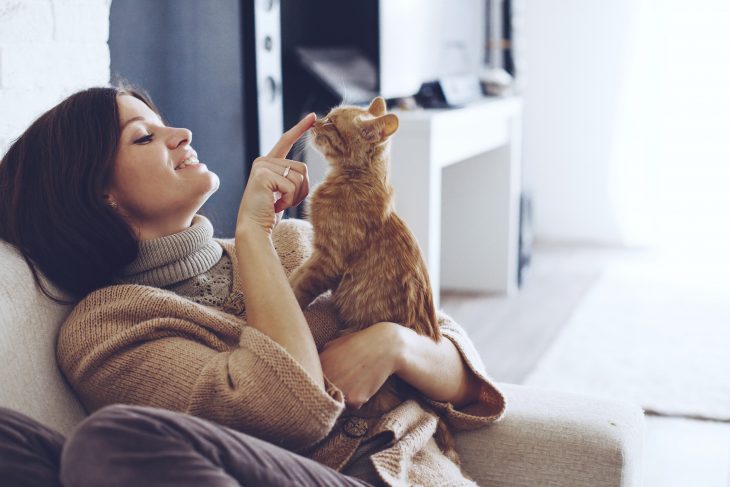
<point x="513" y="332"/>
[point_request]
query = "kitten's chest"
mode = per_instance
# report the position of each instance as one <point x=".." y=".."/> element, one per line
<point x="340" y="217"/>
<point x="327" y="214"/>
<point x="329" y="203"/>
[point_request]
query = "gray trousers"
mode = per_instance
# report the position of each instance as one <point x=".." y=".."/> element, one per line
<point x="140" y="446"/>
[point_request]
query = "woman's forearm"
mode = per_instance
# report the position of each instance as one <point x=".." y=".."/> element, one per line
<point x="436" y="369"/>
<point x="271" y="306"/>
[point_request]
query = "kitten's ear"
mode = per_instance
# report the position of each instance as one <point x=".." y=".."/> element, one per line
<point x="378" y="129"/>
<point x="377" y="106"/>
<point x="390" y="124"/>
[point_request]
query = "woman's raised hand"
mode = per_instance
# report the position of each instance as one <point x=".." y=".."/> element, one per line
<point x="269" y="175"/>
<point x="271" y="306"/>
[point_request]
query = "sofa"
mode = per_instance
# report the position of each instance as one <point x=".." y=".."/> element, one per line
<point x="547" y="438"/>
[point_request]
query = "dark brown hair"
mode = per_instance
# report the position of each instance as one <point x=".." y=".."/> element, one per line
<point x="52" y="203"/>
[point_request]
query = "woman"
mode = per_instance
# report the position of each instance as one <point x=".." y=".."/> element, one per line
<point x="102" y="197"/>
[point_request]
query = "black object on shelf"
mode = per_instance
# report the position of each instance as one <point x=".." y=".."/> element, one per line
<point x="450" y="92"/>
<point x="524" y="254"/>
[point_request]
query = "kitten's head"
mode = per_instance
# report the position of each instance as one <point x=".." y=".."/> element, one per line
<point x="348" y="134"/>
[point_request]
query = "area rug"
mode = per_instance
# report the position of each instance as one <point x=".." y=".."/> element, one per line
<point x="663" y="343"/>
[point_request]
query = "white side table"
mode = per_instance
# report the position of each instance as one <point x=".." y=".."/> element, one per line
<point x="456" y="175"/>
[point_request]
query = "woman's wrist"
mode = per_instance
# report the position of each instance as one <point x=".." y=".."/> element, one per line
<point x="249" y="231"/>
<point x="398" y="344"/>
<point x="433" y="367"/>
<point x="401" y="340"/>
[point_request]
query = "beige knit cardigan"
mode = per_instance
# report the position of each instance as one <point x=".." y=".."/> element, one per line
<point x="143" y="345"/>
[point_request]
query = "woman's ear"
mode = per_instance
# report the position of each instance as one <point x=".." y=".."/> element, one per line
<point x="110" y="202"/>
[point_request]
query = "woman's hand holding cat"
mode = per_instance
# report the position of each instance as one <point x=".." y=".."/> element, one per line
<point x="359" y="363"/>
<point x="269" y="175"/>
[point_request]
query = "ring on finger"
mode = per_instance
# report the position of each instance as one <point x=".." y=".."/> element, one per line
<point x="286" y="171"/>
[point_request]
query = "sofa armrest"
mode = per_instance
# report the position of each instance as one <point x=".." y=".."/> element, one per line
<point x="549" y="438"/>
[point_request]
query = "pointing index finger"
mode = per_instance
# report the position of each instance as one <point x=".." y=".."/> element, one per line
<point x="285" y="143"/>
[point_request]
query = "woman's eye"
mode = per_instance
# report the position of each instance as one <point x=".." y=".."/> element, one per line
<point x="145" y="139"/>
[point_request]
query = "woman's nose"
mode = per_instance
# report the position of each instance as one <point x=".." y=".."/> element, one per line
<point x="180" y="136"/>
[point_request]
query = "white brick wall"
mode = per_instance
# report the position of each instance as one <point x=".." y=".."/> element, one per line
<point x="48" y="50"/>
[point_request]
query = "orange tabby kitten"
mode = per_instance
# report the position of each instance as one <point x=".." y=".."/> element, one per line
<point x="363" y="251"/>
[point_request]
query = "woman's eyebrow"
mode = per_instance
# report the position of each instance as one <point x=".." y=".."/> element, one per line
<point x="135" y="119"/>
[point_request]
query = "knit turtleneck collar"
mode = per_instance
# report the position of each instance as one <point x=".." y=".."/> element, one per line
<point x="167" y="260"/>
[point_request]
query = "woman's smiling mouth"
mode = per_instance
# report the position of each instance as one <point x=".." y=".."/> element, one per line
<point x="190" y="161"/>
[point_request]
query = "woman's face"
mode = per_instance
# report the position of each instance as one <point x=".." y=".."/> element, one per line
<point x="154" y="195"/>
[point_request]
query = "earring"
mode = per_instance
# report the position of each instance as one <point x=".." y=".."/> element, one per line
<point x="113" y="204"/>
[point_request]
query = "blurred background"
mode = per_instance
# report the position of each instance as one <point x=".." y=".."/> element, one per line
<point x="564" y="165"/>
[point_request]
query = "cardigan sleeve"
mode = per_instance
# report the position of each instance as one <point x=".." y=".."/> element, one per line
<point x="491" y="404"/>
<point x="261" y="389"/>
<point x="180" y="360"/>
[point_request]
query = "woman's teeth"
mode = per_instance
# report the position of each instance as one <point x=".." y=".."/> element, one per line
<point x="187" y="162"/>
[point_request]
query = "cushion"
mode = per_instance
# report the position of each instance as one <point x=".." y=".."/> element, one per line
<point x="30" y="381"/>
<point x="552" y="438"/>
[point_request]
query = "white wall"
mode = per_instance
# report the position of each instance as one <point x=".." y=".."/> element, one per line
<point x="672" y="163"/>
<point x="575" y="54"/>
<point x="440" y="38"/>
<point x="48" y="50"/>
<point x="627" y="116"/>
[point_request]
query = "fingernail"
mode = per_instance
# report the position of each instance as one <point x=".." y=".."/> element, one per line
<point x="313" y="114"/>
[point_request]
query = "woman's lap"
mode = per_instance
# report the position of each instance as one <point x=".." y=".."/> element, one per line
<point x="30" y="453"/>
<point x="168" y="448"/>
<point x="134" y="445"/>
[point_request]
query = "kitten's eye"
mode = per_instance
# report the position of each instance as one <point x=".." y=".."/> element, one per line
<point x="145" y="139"/>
